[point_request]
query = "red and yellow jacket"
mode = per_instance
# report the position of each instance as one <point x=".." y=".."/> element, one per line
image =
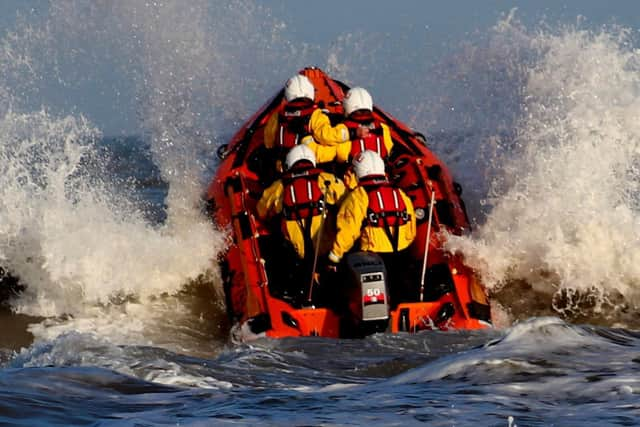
<point x="377" y="214"/>
<point x="339" y="136"/>
<point x="379" y="139"/>
<point x="296" y="225"/>
<point x="318" y="129"/>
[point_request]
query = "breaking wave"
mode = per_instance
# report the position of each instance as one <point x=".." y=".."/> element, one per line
<point x="538" y="125"/>
<point x="561" y="205"/>
<point x="70" y="228"/>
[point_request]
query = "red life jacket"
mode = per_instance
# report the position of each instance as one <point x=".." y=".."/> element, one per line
<point x="373" y="142"/>
<point x="302" y="196"/>
<point x="386" y="208"/>
<point x="293" y="124"/>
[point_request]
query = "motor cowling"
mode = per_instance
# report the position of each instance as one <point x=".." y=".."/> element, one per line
<point x="368" y="293"/>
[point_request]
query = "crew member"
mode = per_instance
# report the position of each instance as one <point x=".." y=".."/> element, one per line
<point x="292" y="125"/>
<point x="302" y="195"/>
<point x="377" y="215"/>
<point x="364" y="130"/>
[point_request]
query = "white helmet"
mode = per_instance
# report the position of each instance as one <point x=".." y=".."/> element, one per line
<point x="298" y="86"/>
<point x="357" y="99"/>
<point x="368" y="163"/>
<point x="298" y="153"/>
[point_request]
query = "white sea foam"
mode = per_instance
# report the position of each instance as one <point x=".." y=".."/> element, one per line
<point x="69" y="239"/>
<point x="76" y="241"/>
<point x="562" y="205"/>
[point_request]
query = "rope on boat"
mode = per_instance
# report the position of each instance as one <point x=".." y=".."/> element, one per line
<point x="426" y="246"/>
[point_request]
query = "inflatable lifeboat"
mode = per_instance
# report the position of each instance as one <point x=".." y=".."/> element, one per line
<point x="260" y="289"/>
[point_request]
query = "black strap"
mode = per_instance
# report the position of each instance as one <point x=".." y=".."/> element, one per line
<point x="393" y="239"/>
<point x="305" y="225"/>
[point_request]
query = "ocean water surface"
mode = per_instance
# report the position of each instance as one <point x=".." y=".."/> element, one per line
<point x="110" y="116"/>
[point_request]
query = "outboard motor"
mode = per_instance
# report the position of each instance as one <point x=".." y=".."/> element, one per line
<point x="368" y="294"/>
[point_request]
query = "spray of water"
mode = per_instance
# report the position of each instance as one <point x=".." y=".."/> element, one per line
<point x="562" y="206"/>
<point x="77" y="241"/>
